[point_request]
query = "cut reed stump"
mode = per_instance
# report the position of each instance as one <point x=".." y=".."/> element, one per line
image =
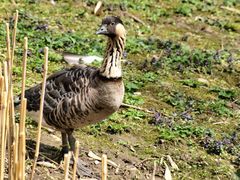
<point x="104" y="167"/>
<point x="41" y="110"/>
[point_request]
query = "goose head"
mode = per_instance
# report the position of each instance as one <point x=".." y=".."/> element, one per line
<point x="112" y="27"/>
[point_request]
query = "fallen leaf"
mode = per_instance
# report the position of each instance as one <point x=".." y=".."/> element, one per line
<point x="167" y="174"/>
<point x="173" y="164"/>
<point x="98" y="8"/>
<point x="47" y="164"/>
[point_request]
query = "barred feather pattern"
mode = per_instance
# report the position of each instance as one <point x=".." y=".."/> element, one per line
<point x="81" y="95"/>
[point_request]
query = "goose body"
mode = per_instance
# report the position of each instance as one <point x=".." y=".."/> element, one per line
<point x="83" y="95"/>
<point x="76" y="97"/>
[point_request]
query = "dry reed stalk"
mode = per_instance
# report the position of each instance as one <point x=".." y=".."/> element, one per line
<point x="66" y="165"/>
<point x="8" y="45"/>
<point x="3" y="145"/>
<point x="10" y="104"/>
<point x="8" y="134"/>
<point x="7" y="76"/>
<point x="76" y="153"/>
<point x="1" y="94"/>
<point x="41" y="110"/>
<point x="104" y="167"/>
<point x="12" y="137"/>
<point x="14" y="35"/>
<point x="1" y="88"/>
<point x="0" y="69"/>
<point x="12" y="114"/>
<point x="7" y="105"/>
<point x="24" y="67"/>
<point x="3" y="120"/>
<point x="1" y="108"/>
<point x="15" y="152"/>
<point x="9" y="61"/>
<point x="5" y="72"/>
<point x="22" y="142"/>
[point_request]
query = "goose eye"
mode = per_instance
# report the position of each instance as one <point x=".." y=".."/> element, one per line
<point x="112" y="23"/>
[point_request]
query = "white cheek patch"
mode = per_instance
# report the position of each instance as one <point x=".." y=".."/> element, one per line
<point x="120" y="30"/>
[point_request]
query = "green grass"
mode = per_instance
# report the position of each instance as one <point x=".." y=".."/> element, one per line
<point x="183" y="64"/>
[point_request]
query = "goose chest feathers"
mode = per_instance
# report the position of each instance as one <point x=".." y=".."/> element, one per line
<point x="83" y="95"/>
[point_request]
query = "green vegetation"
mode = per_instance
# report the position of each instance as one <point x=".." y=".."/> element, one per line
<point x="182" y="65"/>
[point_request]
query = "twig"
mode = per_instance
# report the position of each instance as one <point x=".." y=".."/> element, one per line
<point x="41" y="110"/>
<point x="220" y="122"/>
<point x="231" y="9"/>
<point x="49" y="159"/>
<point x="143" y="161"/>
<point x="76" y="153"/>
<point x="134" y="18"/>
<point x="142" y="109"/>
<point x="138" y="108"/>
<point x="104" y="167"/>
<point x="49" y="130"/>
<point x="43" y="156"/>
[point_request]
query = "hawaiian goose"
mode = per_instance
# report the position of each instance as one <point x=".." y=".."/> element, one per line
<point x="83" y="95"/>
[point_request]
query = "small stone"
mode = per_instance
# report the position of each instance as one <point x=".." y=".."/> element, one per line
<point x="137" y="93"/>
<point x="96" y="162"/>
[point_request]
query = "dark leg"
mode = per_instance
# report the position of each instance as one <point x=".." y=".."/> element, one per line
<point x="82" y="168"/>
<point x="64" y="143"/>
<point x="71" y="140"/>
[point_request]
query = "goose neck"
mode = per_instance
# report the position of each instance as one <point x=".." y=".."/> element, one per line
<point x="111" y="66"/>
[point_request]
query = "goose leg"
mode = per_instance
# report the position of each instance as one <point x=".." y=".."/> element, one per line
<point x="82" y="168"/>
<point x="71" y="140"/>
<point x="64" y="143"/>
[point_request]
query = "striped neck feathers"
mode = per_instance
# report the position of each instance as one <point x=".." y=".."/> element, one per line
<point x="111" y="67"/>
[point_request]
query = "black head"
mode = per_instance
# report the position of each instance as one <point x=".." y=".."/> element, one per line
<point x="111" y="26"/>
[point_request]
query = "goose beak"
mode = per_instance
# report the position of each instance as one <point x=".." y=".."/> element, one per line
<point x="102" y="30"/>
